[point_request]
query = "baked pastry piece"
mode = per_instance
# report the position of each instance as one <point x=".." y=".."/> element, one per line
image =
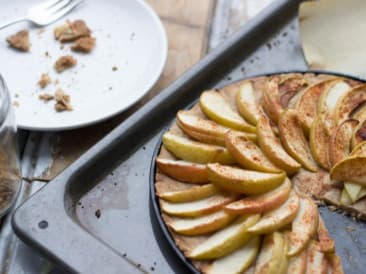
<point x="20" y="40"/>
<point x="239" y="174"/>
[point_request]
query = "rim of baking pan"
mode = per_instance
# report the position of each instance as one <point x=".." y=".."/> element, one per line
<point x="153" y="196"/>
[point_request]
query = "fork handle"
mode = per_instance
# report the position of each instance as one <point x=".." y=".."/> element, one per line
<point x="12" y="22"/>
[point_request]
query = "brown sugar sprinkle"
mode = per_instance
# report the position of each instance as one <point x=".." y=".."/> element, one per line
<point x="64" y="63"/>
<point x="84" y="44"/>
<point x="62" y="101"/>
<point x="70" y="31"/>
<point x="46" y="97"/>
<point x="19" y="41"/>
<point x="45" y="80"/>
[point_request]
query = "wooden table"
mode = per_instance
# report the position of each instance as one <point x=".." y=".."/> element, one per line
<point x="193" y="28"/>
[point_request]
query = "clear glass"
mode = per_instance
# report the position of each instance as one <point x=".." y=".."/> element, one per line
<point x="10" y="175"/>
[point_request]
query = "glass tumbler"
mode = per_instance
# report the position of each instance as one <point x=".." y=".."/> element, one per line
<point x="10" y="175"/>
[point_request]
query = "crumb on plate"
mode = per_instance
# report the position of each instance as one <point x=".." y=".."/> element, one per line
<point x="15" y="103"/>
<point x="19" y="41"/>
<point x="114" y="68"/>
<point x="84" y="44"/>
<point x="45" y="80"/>
<point x="65" y="62"/>
<point x="70" y="31"/>
<point x="62" y="101"/>
<point x="46" y="97"/>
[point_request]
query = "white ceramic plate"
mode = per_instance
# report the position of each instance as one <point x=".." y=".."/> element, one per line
<point x="129" y="36"/>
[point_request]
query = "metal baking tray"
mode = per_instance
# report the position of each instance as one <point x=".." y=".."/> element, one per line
<point x="97" y="216"/>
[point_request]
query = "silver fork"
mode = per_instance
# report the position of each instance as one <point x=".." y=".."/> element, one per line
<point x="46" y="12"/>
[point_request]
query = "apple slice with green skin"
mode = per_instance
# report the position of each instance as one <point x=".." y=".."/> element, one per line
<point x="294" y="141"/>
<point x="360" y="149"/>
<point x="247" y="106"/>
<point x="271" y="100"/>
<point x="204" y="130"/>
<point x="248" y="154"/>
<point x="345" y="199"/>
<point x="326" y="242"/>
<point x="348" y="102"/>
<point x="261" y="203"/>
<point x="243" y="181"/>
<point x="190" y="194"/>
<point x="340" y="141"/>
<point x="196" y="152"/>
<point x="316" y="261"/>
<point x="214" y="105"/>
<point x="304" y="226"/>
<point x="335" y="264"/>
<point x="196" y="208"/>
<point x="350" y="169"/>
<point x="273" y="149"/>
<point x="352" y="190"/>
<point x="319" y="142"/>
<point x="183" y="171"/>
<point x="224" y="241"/>
<point x="307" y="103"/>
<point x="359" y="134"/>
<point x="236" y="262"/>
<point x="270" y="257"/>
<point x="297" y="263"/>
<point x="279" y="217"/>
<point x="201" y="225"/>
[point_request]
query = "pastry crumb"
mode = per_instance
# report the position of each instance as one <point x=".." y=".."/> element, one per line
<point x="19" y="41"/>
<point x="45" y="80"/>
<point x="98" y="213"/>
<point x="84" y="44"/>
<point x="15" y="103"/>
<point x="64" y="63"/>
<point x="114" y="68"/>
<point x="46" y="97"/>
<point x="62" y="101"/>
<point x="70" y="31"/>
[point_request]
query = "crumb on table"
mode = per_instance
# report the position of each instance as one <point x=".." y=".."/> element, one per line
<point x="19" y="41"/>
<point x="45" y="80"/>
<point x="62" y="101"/>
<point x="84" y="44"/>
<point x="15" y="103"/>
<point x="70" y="31"/>
<point x="46" y="97"/>
<point x="114" y="68"/>
<point x="65" y="62"/>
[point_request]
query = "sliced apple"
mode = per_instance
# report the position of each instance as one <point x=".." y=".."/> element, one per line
<point x="326" y="242"/>
<point x="261" y="203"/>
<point x="352" y="190"/>
<point x="347" y="103"/>
<point x="243" y="181"/>
<point x="315" y="259"/>
<point x="336" y="264"/>
<point x="247" y="106"/>
<point x="196" y="208"/>
<point x="238" y="261"/>
<point x="271" y="100"/>
<point x="224" y="241"/>
<point x="297" y="263"/>
<point x="345" y="199"/>
<point x="294" y="141"/>
<point x="284" y="260"/>
<point x="201" y="225"/>
<point x="248" y="154"/>
<point x="339" y="146"/>
<point x="214" y="105"/>
<point x="183" y="171"/>
<point x="279" y="217"/>
<point x="290" y="87"/>
<point x="362" y="193"/>
<point x="319" y="142"/>
<point x="204" y="130"/>
<point x="359" y="113"/>
<point x="307" y="103"/>
<point x="196" y="152"/>
<point x="360" y="149"/>
<point x="359" y="134"/>
<point x="273" y="149"/>
<point x="304" y="226"/>
<point x="190" y="194"/>
<point x="270" y="257"/>
<point x="350" y="169"/>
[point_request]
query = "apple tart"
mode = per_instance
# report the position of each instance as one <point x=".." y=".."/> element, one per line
<point x="239" y="174"/>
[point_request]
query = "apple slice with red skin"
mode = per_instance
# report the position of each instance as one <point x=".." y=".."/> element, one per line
<point x="271" y="100"/>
